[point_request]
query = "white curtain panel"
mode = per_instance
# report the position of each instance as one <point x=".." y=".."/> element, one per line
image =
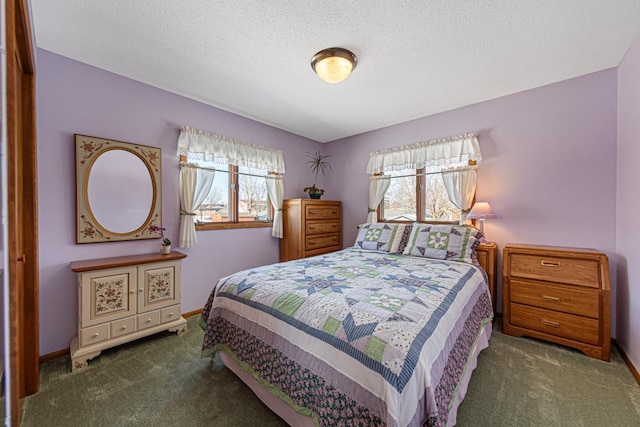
<point x="195" y="184"/>
<point x="210" y="146"/>
<point x="378" y="186"/>
<point x="275" y="188"/>
<point x="436" y="152"/>
<point x="461" y="187"/>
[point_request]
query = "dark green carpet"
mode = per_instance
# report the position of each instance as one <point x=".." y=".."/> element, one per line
<point x="161" y="381"/>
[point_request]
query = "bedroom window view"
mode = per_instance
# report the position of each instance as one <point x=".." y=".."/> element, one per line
<point x="416" y="196"/>
<point x="238" y="195"/>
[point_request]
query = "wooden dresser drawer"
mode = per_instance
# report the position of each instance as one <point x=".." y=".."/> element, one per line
<point x="323" y="226"/>
<point x="564" y="325"/>
<point x="169" y="314"/>
<point x="123" y="326"/>
<point x="94" y="334"/>
<point x="322" y="241"/>
<point x="558" y="294"/>
<point x="572" y="271"/>
<point x="559" y="298"/>
<point x="310" y="227"/>
<point x="322" y="212"/>
<point x="148" y="320"/>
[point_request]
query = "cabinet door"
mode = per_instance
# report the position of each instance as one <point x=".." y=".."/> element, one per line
<point x="158" y="285"/>
<point x="107" y="295"/>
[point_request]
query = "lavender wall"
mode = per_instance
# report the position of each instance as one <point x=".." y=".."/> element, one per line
<point x="549" y="171"/>
<point x="628" y="233"/>
<point x="549" y="168"/>
<point x="77" y="98"/>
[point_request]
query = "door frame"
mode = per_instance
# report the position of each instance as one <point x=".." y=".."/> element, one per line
<point x="22" y="207"/>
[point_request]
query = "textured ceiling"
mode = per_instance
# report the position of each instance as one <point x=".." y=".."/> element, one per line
<point x="415" y="57"/>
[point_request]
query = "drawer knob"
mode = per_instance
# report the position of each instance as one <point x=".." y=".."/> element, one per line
<point x="170" y="314"/>
<point x="550" y="323"/>
<point x="550" y="263"/>
<point x="124" y="327"/>
<point x="148" y="320"/>
<point x="311" y="243"/>
<point x="550" y="298"/>
<point x="96" y="335"/>
<point x="132" y="292"/>
<point x="311" y="227"/>
<point x="140" y="290"/>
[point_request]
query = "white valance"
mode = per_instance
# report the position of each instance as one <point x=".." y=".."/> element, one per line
<point x="436" y="152"/>
<point x="211" y="146"/>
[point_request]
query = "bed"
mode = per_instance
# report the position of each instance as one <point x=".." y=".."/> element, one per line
<point x="386" y="332"/>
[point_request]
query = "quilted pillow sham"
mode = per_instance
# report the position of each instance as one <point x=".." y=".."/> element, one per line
<point x="439" y="241"/>
<point x="383" y="237"/>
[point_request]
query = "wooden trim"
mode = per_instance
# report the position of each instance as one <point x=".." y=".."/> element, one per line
<point x="421" y="189"/>
<point x="192" y="313"/>
<point x="22" y="196"/>
<point x="632" y="368"/>
<point x="30" y="237"/>
<point x="228" y="225"/>
<point x="54" y="355"/>
<point x="122" y="261"/>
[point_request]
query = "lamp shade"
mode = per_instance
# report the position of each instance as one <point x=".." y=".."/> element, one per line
<point x="481" y="210"/>
<point x="334" y="64"/>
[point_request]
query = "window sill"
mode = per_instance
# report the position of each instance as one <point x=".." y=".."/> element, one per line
<point x="421" y="222"/>
<point x="228" y="225"/>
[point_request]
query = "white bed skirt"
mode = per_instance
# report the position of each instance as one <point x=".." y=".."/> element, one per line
<point x="292" y="418"/>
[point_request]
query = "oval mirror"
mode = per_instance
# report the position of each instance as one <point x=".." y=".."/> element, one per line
<point x="118" y="190"/>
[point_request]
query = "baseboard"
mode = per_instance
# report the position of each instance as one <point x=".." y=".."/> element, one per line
<point x="632" y="368"/>
<point x="192" y="313"/>
<point x="53" y="355"/>
<point x="65" y="351"/>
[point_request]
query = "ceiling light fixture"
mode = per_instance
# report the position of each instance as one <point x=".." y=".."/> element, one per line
<point x="334" y="64"/>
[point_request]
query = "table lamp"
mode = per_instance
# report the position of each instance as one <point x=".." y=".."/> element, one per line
<point x="481" y="211"/>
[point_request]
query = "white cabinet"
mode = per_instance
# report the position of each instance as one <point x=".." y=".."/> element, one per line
<point x="125" y="298"/>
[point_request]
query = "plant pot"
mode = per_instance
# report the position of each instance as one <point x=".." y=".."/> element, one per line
<point x="165" y="249"/>
<point x="315" y="195"/>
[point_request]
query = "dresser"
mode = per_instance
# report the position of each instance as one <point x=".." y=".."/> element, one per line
<point x="125" y="298"/>
<point x="487" y="253"/>
<point x="311" y="227"/>
<point x="558" y="294"/>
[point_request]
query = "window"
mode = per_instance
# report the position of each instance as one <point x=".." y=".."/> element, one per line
<point x="429" y="181"/>
<point x="235" y="197"/>
<point x="418" y="195"/>
<point x="238" y="197"/>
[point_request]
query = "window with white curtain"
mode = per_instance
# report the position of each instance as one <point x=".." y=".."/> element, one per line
<point x="239" y="197"/>
<point x="418" y="190"/>
<point x="418" y="195"/>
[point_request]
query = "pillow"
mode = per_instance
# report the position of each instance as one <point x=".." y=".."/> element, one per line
<point x="381" y="237"/>
<point x="401" y="238"/>
<point x="439" y="241"/>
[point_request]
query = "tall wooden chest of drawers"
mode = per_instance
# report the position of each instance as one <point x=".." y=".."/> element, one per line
<point x="558" y="294"/>
<point x="311" y="227"/>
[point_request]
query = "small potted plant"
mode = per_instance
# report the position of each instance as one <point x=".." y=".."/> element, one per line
<point x="314" y="192"/>
<point x="317" y="163"/>
<point x="165" y="247"/>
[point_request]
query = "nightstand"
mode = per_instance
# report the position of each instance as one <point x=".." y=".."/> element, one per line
<point x="487" y="253"/>
<point x="558" y="294"/>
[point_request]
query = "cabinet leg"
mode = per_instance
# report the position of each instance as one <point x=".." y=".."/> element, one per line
<point x="181" y="329"/>
<point x="80" y="362"/>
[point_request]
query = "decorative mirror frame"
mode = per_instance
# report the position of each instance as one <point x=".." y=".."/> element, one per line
<point x="87" y="150"/>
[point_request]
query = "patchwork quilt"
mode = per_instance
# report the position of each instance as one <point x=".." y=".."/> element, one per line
<point x="355" y="337"/>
